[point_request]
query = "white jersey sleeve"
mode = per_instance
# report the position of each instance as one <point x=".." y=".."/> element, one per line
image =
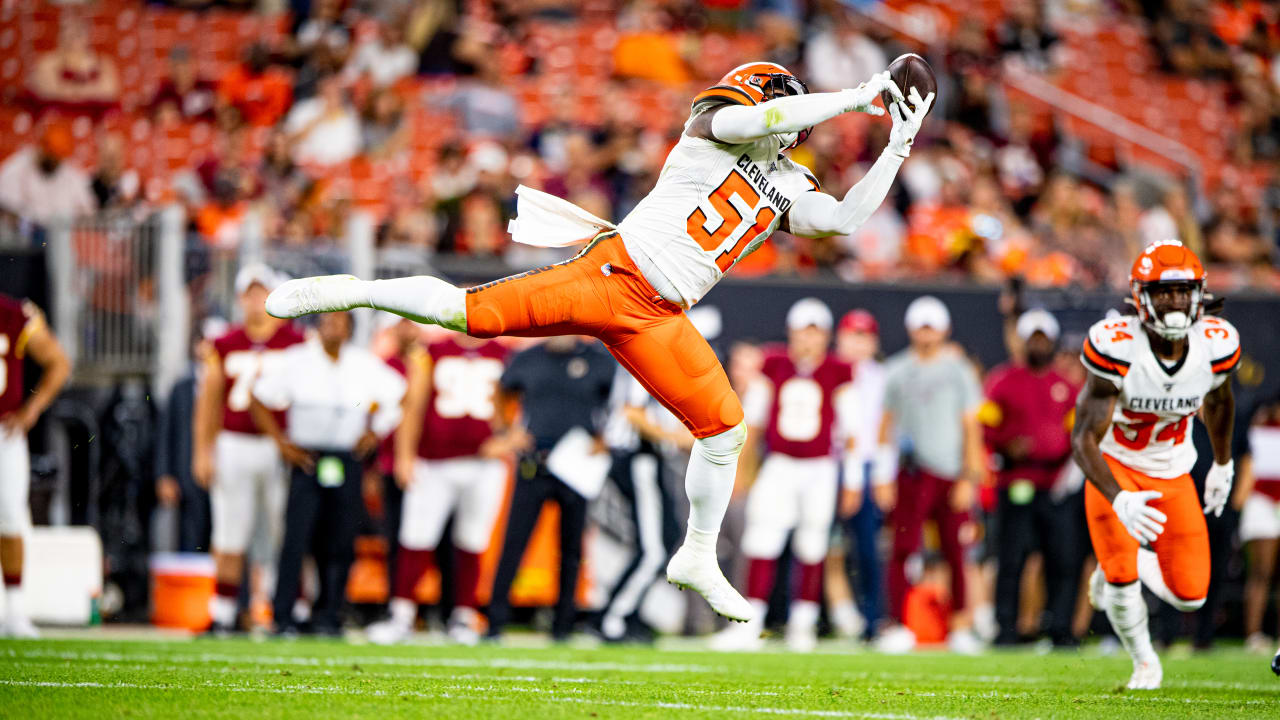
<point x="1109" y="348"/>
<point x="1224" y="347"/>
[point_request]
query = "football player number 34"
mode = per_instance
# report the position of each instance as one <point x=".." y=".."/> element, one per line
<point x="1136" y="433"/>
<point x="731" y="220"/>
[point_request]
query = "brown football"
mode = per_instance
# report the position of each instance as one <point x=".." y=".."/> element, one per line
<point x="909" y="71"/>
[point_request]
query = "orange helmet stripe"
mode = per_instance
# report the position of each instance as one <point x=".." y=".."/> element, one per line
<point x="735" y="95"/>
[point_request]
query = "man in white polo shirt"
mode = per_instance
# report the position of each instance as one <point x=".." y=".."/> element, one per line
<point x="341" y="401"/>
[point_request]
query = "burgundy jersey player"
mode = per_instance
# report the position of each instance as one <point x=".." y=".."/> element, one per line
<point x="23" y="333"/>
<point x="795" y="490"/>
<point x="449" y="463"/>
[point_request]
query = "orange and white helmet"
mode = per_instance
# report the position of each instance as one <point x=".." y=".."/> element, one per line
<point x="1167" y="262"/>
<point x="752" y="84"/>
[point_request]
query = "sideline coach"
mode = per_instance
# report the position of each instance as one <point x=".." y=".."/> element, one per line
<point x="341" y="400"/>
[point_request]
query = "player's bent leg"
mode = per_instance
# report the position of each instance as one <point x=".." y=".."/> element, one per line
<point x="1177" y="568"/>
<point x="1114" y="586"/>
<point x="709" y="484"/>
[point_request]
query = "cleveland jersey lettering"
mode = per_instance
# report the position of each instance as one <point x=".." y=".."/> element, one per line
<point x="460" y="408"/>
<point x="713" y="205"/>
<point x="1150" y="428"/>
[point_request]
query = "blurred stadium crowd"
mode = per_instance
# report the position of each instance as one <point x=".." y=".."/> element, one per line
<point x="428" y="113"/>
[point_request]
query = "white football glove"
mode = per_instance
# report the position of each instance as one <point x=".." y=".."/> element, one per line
<point x="862" y="97"/>
<point x="1143" y="522"/>
<point x="907" y="122"/>
<point x="1217" y="487"/>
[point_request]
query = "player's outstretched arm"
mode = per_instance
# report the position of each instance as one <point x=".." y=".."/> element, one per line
<point x="816" y="214"/>
<point x="1093" y="418"/>
<point x="736" y="124"/>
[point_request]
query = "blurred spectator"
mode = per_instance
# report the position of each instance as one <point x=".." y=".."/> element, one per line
<point x="481" y="230"/>
<point x="1027" y="419"/>
<point x="1187" y="41"/>
<point x="115" y="186"/>
<point x="324" y="130"/>
<point x="257" y="91"/>
<point x="40" y="184"/>
<point x="483" y="104"/>
<point x="341" y="400"/>
<point x="1026" y="34"/>
<point x="648" y="48"/>
<point x="858" y="343"/>
<point x="384" y="131"/>
<point x="384" y="58"/>
<point x="183" y="94"/>
<point x="431" y="30"/>
<point x="841" y="56"/>
<point x="73" y="76"/>
<point x="931" y="400"/>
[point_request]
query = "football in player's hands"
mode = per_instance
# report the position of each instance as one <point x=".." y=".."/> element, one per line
<point x="910" y="70"/>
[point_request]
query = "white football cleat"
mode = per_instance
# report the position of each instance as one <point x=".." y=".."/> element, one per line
<point x="802" y="639"/>
<point x="387" y="632"/>
<point x="464" y="626"/>
<point x="1258" y="644"/>
<point x="20" y="627"/>
<point x="325" y="293"/>
<point x="964" y="642"/>
<point x="700" y="571"/>
<point x="897" y="640"/>
<point x="739" y="638"/>
<point x="1147" y="674"/>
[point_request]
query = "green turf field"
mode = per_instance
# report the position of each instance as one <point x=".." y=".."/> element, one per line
<point x="65" y="678"/>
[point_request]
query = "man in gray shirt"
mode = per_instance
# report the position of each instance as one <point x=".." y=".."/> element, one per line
<point x="931" y="400"/>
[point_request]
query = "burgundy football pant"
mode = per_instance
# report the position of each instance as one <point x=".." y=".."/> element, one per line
<point x="924" y="496"/>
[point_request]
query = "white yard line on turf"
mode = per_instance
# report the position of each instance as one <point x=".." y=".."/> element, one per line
<point x="488" y="696"/>
<point x="472" y="662"/>
<point x="558" y="695"/>
<point x="500" y="663"/>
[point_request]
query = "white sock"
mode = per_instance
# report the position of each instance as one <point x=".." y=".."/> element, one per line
<point x="403" y="612"/>
<point x="421" y="298"/>
<point x="803" y="616"/>
<point x="223" y="610"/>
<point x="1127" y="612"/>
<point x="845" y="616"/>
<point x="713" y="464"/>
<point x="1151" y="575"/>
<point x="13" y="605"/>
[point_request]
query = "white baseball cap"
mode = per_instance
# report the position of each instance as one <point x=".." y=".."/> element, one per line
<point x="928" y="311"/>
<point x="256" y="274"/>
<point x="809" y="311"/>
<point x="1038" y="320"/>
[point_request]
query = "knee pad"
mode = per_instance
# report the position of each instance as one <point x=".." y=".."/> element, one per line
<point x="722" y="448"/>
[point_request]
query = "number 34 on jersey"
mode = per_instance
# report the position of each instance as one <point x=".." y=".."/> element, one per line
<point x="1149" y="428"/>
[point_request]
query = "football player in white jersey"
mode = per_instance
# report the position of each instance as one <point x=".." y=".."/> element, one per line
<point x="1149" y="373"/>
<point x="726" y="186"/>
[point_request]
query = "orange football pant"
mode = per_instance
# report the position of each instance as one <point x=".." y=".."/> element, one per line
<point x="601" y="293"/>
<point x="1183" y="547"/>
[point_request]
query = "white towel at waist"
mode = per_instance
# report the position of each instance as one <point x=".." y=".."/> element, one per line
<point x="544" y="220"/>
